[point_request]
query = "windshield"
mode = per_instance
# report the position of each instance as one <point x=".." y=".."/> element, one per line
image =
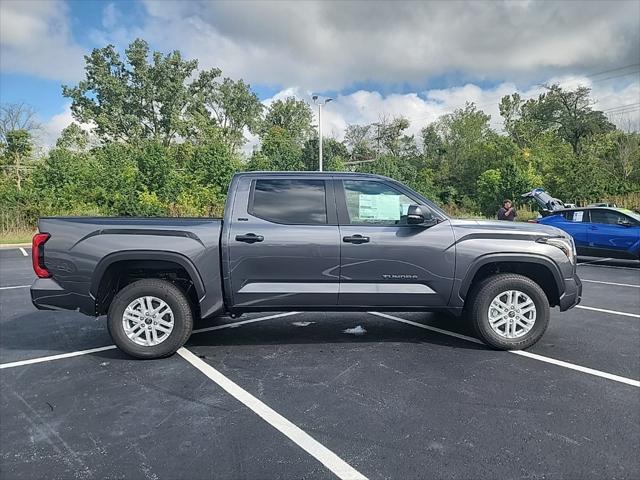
<point x="630" y="213"/>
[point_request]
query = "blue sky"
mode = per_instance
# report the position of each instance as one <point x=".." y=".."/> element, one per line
<point x="417" y="59"/>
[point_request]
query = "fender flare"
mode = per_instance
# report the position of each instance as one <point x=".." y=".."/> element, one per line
<point x="173" y="257"/>
<point x="511" y="257"/>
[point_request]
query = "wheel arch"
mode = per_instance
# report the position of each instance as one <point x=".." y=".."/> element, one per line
<point x="113" y="266"/>
<point x="538" y="268"/>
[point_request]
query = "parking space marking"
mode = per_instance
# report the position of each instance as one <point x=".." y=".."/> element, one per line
<point x="579" y="368"/>
<point x="595" y="261"/>
<point x="609" y="266"/>
<point x="49" y="358"/>
<point x="24" y="252"/>
<point x="611" y="283"/>
<point x="15" y="286"/>
<point x="571" y="366"/>
<point x="612" y="312"/>
<point x="244" y="322"/>
<point x="55" y="357"/>
<point x="318" y="451"/>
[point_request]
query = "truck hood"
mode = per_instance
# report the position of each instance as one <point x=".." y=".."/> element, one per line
<point x="501" y="229"/>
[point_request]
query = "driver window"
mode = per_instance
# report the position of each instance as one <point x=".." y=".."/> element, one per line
<point x="375" y="203"/>
<point x="608" y="217"/>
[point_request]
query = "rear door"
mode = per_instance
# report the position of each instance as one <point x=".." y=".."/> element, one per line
<point x="283" y="244"/>
<point x="384" y="261"/>
<point x="575" y="223"/>
<point x="608" y="233"/>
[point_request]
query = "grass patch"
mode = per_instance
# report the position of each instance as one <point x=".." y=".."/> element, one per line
<point x="16" y="236"/>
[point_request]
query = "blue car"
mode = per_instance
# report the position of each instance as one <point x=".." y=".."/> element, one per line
<point x="600" y="232"/>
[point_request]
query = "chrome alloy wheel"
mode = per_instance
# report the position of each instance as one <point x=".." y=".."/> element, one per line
<point x="148" y="321"/>
<point x="512" y="314"/>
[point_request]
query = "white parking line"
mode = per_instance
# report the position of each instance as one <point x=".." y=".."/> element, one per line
<point x="14" y="287"/>
<point x="590" y="371"/>
<point x="24" y="252"/>
<point x="111" y="347"/>
<point x="612" y="312"/>
<point x="55" y="357"/>
<point x="579" y="368"/>
<point x="595" y="261"/>
<point x="611" y="283"/>
<point x="318" y="451"/>
<point x="636" y="269"/>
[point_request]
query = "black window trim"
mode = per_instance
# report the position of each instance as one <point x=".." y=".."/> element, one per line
<point x="343" y="212"/>
<point x="631" y="220"/>
<point x="329" y="201"/>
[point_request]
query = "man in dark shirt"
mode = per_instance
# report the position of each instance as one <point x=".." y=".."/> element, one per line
<point x="507" y="211"/>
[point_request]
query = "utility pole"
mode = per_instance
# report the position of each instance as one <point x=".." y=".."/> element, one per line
<point x="320" y="104"/>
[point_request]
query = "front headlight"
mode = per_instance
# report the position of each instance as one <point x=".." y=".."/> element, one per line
<point x="566" y="244"/>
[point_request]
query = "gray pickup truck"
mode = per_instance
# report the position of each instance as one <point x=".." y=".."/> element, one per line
<point x="304" y="241"/>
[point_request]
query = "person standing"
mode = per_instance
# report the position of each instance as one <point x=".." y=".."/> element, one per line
<point x="507" y="211"/>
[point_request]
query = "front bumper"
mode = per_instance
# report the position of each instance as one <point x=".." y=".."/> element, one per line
<point x="572" y="293"/>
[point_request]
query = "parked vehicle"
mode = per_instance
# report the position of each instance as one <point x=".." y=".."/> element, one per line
<point x="304" y="241"/>
<point x="599" y="231"/>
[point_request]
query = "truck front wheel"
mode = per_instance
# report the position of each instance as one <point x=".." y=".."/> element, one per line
<point x="508" y="311"/>
<point x="150" y="318"/>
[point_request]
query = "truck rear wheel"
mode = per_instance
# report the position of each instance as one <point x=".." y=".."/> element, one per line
<point x="509" y="311"/>
<point x="150" y="318"/>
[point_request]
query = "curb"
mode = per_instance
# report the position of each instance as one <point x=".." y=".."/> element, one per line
<point x="14" y="245"/>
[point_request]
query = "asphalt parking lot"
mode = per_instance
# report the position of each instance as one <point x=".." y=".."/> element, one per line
<point x="295" y="395"/>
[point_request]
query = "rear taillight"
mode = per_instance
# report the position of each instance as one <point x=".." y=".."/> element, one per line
<point x="37" y="254"/>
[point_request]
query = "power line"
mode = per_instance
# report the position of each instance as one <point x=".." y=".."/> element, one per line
<point x="613" y="70"/>
<point x="636" y="72"/>
<point x="621" y="107"/>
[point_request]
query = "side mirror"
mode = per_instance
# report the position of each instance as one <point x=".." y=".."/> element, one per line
<point x="416" y="216"/>
<point x="625" y="223"/>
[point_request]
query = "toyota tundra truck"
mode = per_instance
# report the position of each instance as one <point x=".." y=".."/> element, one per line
<point x="304" y="241"/>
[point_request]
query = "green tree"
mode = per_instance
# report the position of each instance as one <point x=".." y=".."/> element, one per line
<point x="134" y="99"/>
<point x="292" y="116"/>
<point x="18" y="148"/>
<point x="334" y="154"/>
<point x="566" y="112"/>
<point x="278" y="151"/>
<point x="230" y="106"/>
<point x="73" y="137"/>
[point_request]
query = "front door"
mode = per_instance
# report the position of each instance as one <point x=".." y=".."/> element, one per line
<point x="284" y="244"/>
<point x="385" y="261"/>
<point x="611" y="232"/>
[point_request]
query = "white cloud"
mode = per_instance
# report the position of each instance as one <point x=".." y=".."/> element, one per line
<point x="328" y="45"/>
<point x="51" y="129"/>
<point x="365" y="107"/>
<point x="35" y="39"/>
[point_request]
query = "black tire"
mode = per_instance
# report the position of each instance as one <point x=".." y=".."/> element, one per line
<point x="483" y="294"/>
<point x="169" y="293"/>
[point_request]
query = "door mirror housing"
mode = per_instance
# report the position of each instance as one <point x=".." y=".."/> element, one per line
<point x="417" y="216"/>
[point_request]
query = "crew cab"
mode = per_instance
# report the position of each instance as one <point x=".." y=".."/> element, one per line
<point x="304" y="241"/>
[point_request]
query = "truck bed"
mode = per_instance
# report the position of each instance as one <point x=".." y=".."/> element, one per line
<point x="81" y="249"/>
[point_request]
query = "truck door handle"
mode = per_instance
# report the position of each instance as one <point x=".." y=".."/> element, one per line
<point x="357" y="239"/>
<point x="249" y="238"/>
<point x="593" y="227"/>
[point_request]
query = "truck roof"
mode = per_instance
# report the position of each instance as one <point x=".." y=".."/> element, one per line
<point x="311" y="173"/>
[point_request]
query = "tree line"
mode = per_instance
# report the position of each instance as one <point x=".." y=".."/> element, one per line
<point x="164" y="138"/>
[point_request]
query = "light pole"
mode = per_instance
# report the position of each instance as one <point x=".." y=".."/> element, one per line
<point x="320" y="104"/>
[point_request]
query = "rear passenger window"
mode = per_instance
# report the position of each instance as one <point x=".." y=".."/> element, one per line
<point x="576" y="216"/>
<point x="290" y="201"/>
